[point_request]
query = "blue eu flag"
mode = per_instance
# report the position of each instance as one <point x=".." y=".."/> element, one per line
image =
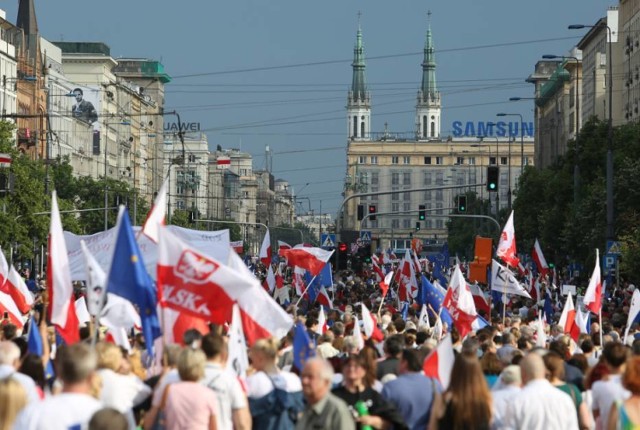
<point x="303" y="347"/>
<point x="34" y="346"/>
<point x="128" y="278"/>
<point x="434" y="298"/>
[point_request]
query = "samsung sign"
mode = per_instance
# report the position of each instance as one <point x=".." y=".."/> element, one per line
<point x="499" y="129"/>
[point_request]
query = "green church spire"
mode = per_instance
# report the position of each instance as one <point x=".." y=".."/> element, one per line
<point x="429" y="89"/>
<point x="359" y="83"/>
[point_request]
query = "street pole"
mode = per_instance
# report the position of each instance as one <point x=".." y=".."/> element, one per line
<point x="492" y="219"/>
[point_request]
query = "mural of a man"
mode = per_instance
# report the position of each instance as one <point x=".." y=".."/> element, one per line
<point x="83" y="109"/>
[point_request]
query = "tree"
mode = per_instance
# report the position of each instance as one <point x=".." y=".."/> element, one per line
<point x="462" y="231"/>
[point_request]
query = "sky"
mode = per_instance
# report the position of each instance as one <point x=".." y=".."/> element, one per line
<point x="276" y="72"/>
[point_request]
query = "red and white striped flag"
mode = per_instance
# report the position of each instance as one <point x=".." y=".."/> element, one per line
<point x="270" y="280"/>
<point x="309" y="258"/>
<point x="298" y="280"/>
<point x="13" y="313"/>
<point x="322" y="322"/>
<point x="157" y="214"/>
<point x="459" y="302"/>
<point x="384" y="284"/>
<point x="370" y="325"/>
<point x="593" y="295"/>
<point x="62" y="311"/>
<point x="507" y="245"/>
<point x="265" y="250"/>
<point x="408" y="285"/>
<point x="283" y="245"/>
<point x="18" y="291"/>
<point x="4" y="269"/>
<point x="568" y="319"/>
<point x="479" y="299"/>
<point x="538" y="257"/>
<point x="439" y="363"/>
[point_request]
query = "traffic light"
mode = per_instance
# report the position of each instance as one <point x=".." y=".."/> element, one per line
<point x="342" y="247"/>
<point x="418" y="226"/>
<point x="422" y="212"/>
<point x="462" y="204"/>
<point x="372" y="212"/>
<point x="360" y="212"/>
<point x="341" y="257"/>
<point x="493" y="174"/>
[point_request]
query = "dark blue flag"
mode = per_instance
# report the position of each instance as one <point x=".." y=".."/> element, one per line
<point x="34" y="346"/>
<point x="548" y="307"/>
<point x="303" y="347"/>
<point x="128" y="278"/>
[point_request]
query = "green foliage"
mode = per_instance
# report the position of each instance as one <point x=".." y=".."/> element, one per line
<point x="567" y="212"/>
<point x="462" y="231"/>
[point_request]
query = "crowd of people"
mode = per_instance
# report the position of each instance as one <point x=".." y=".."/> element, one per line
<point x="503" y="375"/>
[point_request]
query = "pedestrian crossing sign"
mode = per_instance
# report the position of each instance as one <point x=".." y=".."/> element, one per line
<point x="328" y="240"/>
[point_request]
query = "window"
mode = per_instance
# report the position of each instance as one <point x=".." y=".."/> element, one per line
<point x="406" y="223"/>
<point x="503" y="161"/>
<point x="374" y="178"/>
<point x="355" y="126"/>
<point x="374" y="159"/>
<point x="460" y="178"/>
<point x="395" y="196"/>
<point x="427" y="195"/>
<point x="395" y="207"/>
<point x="406" y="178"/>
<point x="428" y="224"/>
<point x="406" y="197"/>
<point x="503" y="179"/>
<point x="433" y="129"/>
<point x="526" y="161"/>
<point x="472" y="161"/>
<point x="492" y="161"/>
<point x="395" y="178"/>
<point x="439" y="160"/>
<point x="406" y="160"/>
<point x="394" y="159"/>
<point x="362" y="160"/>
<point x="472" y="177"/>
<point x="374" y="190"/>
<point x="427" y="178"/>
<point x="439" y="224"/>
<point x="362" y="128"/>
<point x="439" y="178"/>
<point x="395" y="223"/>
<point x="427" y="160"/>
<point x="439" y="208"/>
<point x="180" y="204"/>
<point x="439" y="197"/>
<point x="460" y="161"/>
<point x="406" y="207"/>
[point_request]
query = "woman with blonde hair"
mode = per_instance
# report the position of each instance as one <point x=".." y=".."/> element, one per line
<point x="467" y="402"/>
<point x="12" y="399"/>
<point x="275" y="396"/>
<point x="188" y="404"/>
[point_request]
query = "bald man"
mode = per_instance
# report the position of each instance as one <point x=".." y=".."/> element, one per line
<point x="539" y="405"/>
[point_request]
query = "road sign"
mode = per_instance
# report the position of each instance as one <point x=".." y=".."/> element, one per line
<point x="613" y="247"/>
<point x="609" y="262"/>
<point x="328" y="240"/>
<point x="365" y="236"/>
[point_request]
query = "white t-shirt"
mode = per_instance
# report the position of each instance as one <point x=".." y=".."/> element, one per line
<point x="122" y="392"/>
<point x="605" y="394"/>
<point x="62" y="412"/>
<point x="228" y="391"/>
<point x="27" y="383"/>
<point x="259" y="384"/>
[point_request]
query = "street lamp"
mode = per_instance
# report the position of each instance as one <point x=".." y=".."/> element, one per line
<point x="610" y="231"/>
<point x="106" y="163"/>
<point x="521" y="150"/>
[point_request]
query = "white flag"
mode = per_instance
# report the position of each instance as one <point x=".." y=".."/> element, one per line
<point x="503" y="280"/>
<point x="541" y="336"/>
<point x="238" y="362"/>
<point x="357" y="333"/>
<point x="82" y="312"/>
<point x="157" y="213"/>
<point x="96" y="280"/>
<point x="423" y="321"/>
<point x="634" y="309"/>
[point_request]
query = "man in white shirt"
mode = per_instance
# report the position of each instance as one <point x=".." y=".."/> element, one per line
<point x="507" y="387"/>
<point x="539" y="405"/>
<point x="606" y="393"/>
<point x="9" y="363"/>
<point x="233" y="407"/>
<point x="74" y="407"/>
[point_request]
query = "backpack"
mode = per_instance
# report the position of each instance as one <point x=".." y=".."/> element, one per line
<point x="277" y="410"/>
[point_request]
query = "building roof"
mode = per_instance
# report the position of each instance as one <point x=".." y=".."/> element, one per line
<point x="556" y="81"/>
<point x="84" y="48"/>
<point x="27" y="17"/>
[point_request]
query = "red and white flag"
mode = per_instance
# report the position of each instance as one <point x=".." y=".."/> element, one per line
<point x="375" y="264"/>
<point x="4" y="269"/>
<point x="270" y="280"/>
<point x="62" y="311"/>
<point x="321" y="328"/>
<point x="370" y="325"/>
<point x="157" y="214"/>
<point x="199" y="285"/>
<point x="175" y="323"/>
<point x="459" y="302"/>
<point x="309" y="258"/>
<point x="298" y="280"/>
<point x="18" y="291"/>
<point x="439" y="363"/>
<point x="593" y="295"/>
<point x="357" y="333"/>
<point x="538" y="257"/>
<point x="479" y="299"/>
<point x="384" y="285"/>
<point x="283" y="245"/>
<point x="541" y="336"/>
<point x="416" y="261"/>
<point x="507" y="245"/>
<point x="568" y="319"/>
<point x="265" y="250"/>
<point x="8" y="306"/>
<point x="408" y="285"/>
<point x="323" y="298"/>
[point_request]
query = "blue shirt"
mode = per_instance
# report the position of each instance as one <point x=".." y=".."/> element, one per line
<point x="412" y="394"/>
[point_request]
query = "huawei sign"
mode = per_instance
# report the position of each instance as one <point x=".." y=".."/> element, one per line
<point x="194" y="268"/>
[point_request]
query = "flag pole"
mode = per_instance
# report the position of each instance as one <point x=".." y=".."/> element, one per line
<point x="600" y="322"/>
<point x="305" y="290"/>
<point x="381" y="303"/>
<point x="504" y="304"/>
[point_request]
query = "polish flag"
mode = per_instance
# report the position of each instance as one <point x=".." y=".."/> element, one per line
<point x="322" y="322"/>
<point x="416" y="261"/>
<point x="8" y="306"/>
<point x="198" y="285"/>
<point x="407" y="279"/>
<point x="479" y="299"/>
<point x="593" y="295"/>
<point x="61" y="307"/>
<point x="538" y="257"/>
<point x="157" y="214"/>
<point x="507" y="245"/>
<point x="439" y="363"/>
<point x="370" y="325"/>
<point x="298" y="280"/>
<point x="384" y="285"/>
<point x="4" y="269"/>
<point x="175" y="323"/>
<point x="265" y="250"/>
<point x="375" y="264"/>
<point x="460" y="304"/>
<point x="309" y="258"/>
<point x="270" y="281"/>
<point x="323" y="298"/>
<point x="279" y="279"/>
<point x="568" y="319"/>
<point x="18" y="291"/>
<point x="283" y="245"/>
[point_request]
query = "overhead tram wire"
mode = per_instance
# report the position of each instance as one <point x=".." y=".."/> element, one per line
<point x="370" y="58"/>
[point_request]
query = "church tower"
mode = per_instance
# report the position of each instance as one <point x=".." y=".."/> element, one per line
<point x="428" y="108"/>
<point x="359" y="99"/>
